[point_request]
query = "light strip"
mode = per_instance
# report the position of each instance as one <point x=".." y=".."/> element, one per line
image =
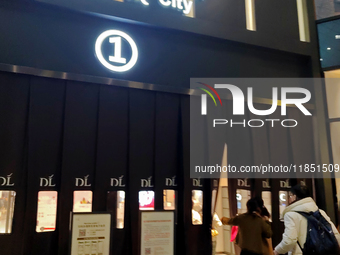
<point x="303" y="20"/>
<point x="250" y="15"/>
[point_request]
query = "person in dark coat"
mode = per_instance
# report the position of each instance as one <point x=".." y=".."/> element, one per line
<point x="253" y="229"/>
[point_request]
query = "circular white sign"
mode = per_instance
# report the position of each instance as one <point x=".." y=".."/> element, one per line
<point x="115" y="37"/>
<point x="283" y="197"/>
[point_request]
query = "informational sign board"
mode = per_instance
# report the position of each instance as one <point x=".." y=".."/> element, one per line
<point x="157" y="233"/>
<point x="90" y="234"/>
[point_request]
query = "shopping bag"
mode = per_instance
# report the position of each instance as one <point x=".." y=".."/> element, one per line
<point x="234" y="230"/>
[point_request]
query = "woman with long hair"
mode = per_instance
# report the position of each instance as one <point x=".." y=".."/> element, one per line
<point x="252" y="229"/>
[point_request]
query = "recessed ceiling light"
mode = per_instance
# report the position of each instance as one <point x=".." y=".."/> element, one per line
<point x="337" y="36"/>
<point x="328" y="48"/>
<point x="321" y="59"/>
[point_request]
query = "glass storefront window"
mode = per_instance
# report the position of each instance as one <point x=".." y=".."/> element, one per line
<point x="47" y="211"/>
<point x="327" y="8"/>
<point x="82" y="201"/>
<point x="332" y="84"/>
<point x="213" y="201"/>
<point x="267" y="199"/>
<point x="116" y="202"/>
<point x="197" y="207"/>
<point x="329" y="45"/>
<point x="146" y="200"/>
<point x="335" y="138"/>
<point x="169" y="199"/>
<point x="242" y="196"/>
<point x="283" y="199"/>
<point x="120" y="209"/>
<point x="7" y="201"/>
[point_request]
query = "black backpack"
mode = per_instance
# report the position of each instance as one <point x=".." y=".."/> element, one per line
<point x="320" y="237"/>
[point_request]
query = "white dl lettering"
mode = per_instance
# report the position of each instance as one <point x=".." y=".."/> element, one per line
<point x="238" y="100"/>
<point x="6" y="181"/>
<point x="170" y="182"/>
<point x="145" y="183"/>
<point x="197" y="182"/>
<point x="265" y="184"/>
<point x="82" y="182"/>
<point x="47" y="182"/>
<point x="242" y="183"/>
<point x="285" y="184"/>
<point x="117" y="182"/>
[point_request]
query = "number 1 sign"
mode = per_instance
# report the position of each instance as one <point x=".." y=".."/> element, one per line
<point x="115" y="38"/>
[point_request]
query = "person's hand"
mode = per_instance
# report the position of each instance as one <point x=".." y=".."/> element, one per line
<point x="224" y="220"/>
<point x="276" y="253"/>
<point x="266" y="218"/>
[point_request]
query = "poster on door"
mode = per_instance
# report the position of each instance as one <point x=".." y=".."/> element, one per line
<point x="157" y="233"/>
<point x="47" y="211"/>
<point x="91" y="234"/>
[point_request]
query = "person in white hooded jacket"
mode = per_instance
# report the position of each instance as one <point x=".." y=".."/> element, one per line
<point x="295" y="224"/>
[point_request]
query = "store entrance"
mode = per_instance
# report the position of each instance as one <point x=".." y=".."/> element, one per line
<point x="233" y="194"/>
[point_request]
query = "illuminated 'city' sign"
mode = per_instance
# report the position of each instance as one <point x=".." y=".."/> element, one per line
<point x="185" y="6"/>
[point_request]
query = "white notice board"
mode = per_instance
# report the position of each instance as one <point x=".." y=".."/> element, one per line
<point x="90" y="234"/>
<point x="157" y="233"/>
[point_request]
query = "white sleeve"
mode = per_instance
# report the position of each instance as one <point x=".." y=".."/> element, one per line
<point x="335" y="231"/>
<point x="289" y="237"/>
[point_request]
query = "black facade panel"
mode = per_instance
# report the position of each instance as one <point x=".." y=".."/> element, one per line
<point x="112" y="158"/>
<point x="44" y="157"/>
<point x="79" y="150"/>
<point x="141" y="154"/>
<point x="13" y="152"/>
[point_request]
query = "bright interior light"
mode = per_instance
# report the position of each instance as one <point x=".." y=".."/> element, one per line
<point x="250" y="15"/>
<point x="283" y="197"/>
<point x="238" y="197"/>
<point x="303" y="20"/>
<point x="337" y="36"/>
<point x="329" y="48"/>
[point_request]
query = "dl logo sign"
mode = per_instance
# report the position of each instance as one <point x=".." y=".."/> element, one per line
<point x="121" y="47"/>
<point x="82" y="182"/>
<point x="6" y="181"/>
